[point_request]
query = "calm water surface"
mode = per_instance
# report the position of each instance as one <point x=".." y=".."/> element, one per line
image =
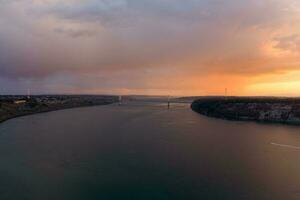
<point x="144" y="151"/>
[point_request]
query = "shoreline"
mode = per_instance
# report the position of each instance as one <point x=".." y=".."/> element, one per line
<point x="266" y="110"/>
<point x="47" y="111"/>
<point x="9" y="109"/>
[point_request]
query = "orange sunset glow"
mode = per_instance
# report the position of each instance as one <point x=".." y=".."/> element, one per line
<point x="160" y="47"/>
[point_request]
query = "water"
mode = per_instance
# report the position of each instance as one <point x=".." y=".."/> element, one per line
<point x="144" y="151"/>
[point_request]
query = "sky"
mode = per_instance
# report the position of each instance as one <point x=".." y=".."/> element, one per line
<point x="150" y="47"/>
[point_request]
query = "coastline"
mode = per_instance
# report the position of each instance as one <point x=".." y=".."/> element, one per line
<point x="52" y="110"/>
<point x="9" y="110"/>
<point x="269" y="110"/>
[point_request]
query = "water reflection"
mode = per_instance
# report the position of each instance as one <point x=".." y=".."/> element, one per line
<point x="144" y="151"/>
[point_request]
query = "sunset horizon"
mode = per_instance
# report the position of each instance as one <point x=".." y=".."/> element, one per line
<point x="161" y="47"/>
<point x="149" y="99"/>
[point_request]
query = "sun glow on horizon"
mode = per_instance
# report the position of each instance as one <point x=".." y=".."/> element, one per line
<point x="286" y="84"/>
<point x="161" y="47"/>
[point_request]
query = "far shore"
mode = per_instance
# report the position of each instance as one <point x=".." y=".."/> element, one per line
<point x="259" y="109"/>
<point x="18" y="106"/>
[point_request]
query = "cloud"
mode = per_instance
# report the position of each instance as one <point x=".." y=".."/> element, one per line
<point x="75" y="33"/>
<point x="43" y="39"/>
<point x="288" y="43"/>
<point x="249" y="12"/>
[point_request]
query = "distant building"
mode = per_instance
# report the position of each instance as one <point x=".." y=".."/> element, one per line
<point x="20" y="101"/>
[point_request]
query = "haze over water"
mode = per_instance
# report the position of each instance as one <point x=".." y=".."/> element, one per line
<point x="144" y="151"/>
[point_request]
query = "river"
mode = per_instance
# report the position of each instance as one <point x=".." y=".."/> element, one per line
<point x="145" y="151"/>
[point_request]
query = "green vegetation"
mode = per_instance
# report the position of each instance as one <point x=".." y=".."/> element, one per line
<point x="14" y="106"/>
<point x="262" y="109"/>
